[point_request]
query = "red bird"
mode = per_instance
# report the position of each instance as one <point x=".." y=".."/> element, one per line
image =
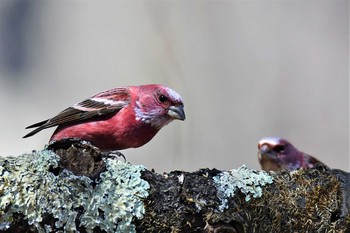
<point x="119" y="118"/>
<point x="277" y="154"/>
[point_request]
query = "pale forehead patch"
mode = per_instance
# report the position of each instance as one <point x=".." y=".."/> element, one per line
<point x="269" y="140"/>
<point x="173" y="94"/>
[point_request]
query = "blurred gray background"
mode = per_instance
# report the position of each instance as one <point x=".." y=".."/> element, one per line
<point x="245" y="69"/>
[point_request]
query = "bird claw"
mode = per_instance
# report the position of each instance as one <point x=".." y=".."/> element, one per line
<point x="67" y="143"/>
<point x="113" y="155"/>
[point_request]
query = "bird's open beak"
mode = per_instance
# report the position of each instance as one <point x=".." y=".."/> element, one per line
<point x="177" y="112"/>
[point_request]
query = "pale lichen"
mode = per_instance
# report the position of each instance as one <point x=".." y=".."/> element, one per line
<point x="29" y="186"/>
<point x="247" y="181"/>
<point x="118" y="196"/>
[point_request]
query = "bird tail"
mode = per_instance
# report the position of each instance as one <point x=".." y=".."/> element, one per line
<point x="40" y="126"/>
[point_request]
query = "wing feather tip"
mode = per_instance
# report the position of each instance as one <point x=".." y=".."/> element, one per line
<point x="29" y="134"/>
<point x="37" y="124"/>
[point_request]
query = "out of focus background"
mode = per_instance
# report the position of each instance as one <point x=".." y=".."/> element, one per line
<point x="245" y="69"/>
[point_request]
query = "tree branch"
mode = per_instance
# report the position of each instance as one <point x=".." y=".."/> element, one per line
<point x="71" y="187"/>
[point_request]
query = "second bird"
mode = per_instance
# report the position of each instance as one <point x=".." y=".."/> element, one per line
<point x="277" y="154"/>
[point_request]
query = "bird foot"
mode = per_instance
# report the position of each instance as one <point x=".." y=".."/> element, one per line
<point x="67" y="143"/>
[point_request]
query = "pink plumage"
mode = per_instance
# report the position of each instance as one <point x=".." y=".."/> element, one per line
<point x="118" y="118"/>
<point x="277" y="154"/>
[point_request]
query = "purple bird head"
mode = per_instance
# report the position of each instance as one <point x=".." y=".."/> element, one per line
<point x="277" y="154"/>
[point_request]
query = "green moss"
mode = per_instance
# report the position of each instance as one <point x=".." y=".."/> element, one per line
<point x="29" y="187"/>
<point x="248" y="182"/>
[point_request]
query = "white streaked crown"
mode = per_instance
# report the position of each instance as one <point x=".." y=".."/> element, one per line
<point x="173" y="94"/>
<point x="269" y="140"/>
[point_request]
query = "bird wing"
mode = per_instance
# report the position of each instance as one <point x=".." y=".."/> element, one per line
<point x="103" y="104"/>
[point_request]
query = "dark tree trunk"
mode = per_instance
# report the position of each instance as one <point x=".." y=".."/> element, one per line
<point x="84" y="190"/>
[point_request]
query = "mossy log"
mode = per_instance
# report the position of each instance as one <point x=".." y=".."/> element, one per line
<point x="73" y="187"/>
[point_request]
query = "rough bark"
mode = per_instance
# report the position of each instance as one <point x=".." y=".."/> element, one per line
<point x="208" y="200"/>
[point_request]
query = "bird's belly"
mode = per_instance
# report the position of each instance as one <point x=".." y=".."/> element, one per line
<point x="108" y="136"/>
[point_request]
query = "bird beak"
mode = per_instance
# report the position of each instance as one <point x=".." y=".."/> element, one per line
<point x="268" y="160"/>
<point x="177" y="112"/>
<point x="264" y="149"/>
<point x="265" y="152"/>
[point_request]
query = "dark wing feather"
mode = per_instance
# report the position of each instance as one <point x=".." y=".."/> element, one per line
<point x="312" y="161"/>
<point x="102" y="104"/>
<point x="36" y="124"/>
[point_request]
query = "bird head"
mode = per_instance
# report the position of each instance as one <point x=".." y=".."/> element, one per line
<point x="278" y="154"/>
<point x="158" y="105"/>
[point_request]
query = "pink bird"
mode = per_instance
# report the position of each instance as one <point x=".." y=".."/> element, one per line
<point x="277" y="154"/>
<point x="119" y="118"/>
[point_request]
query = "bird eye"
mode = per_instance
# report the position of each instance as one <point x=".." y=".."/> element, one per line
<point x="162" y="98"/>
<point x="279" y="148"/>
